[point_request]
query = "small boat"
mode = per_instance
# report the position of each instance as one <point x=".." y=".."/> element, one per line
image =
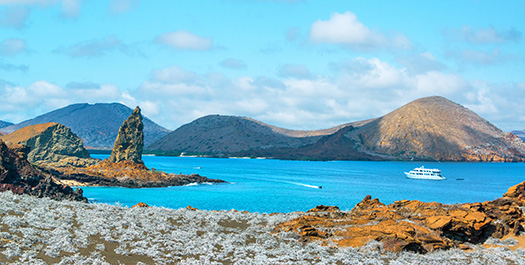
<point x="424" y="173"/>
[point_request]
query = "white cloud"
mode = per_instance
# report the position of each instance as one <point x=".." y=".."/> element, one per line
<point x="13" y="67"/>
<point x="233" y="64"/>
<point x="43" y="96"/>
<point x="94" y="48"/>
<point x="483" y="35"/>
<point x="421" y="63"/>
<point x="71" y="8"/>
<point x="184" y="40"/>
<point x="299" y="71"/>
<point x="14" y="16"/>
<point x="27" y="2"/>
<point x="10" y="47"/>
<point x="347" y="30"/>
<point x="174" y="74"/>
<point x="121" y="6"/>
<point x="479" y="57"/>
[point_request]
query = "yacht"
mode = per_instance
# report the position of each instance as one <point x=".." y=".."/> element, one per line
<point x="424" y="173"/>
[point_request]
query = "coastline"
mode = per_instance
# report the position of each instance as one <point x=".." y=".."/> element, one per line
<point x="108" y="234"/>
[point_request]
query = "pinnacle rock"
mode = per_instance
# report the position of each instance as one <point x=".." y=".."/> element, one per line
<point x="130" y="140"/>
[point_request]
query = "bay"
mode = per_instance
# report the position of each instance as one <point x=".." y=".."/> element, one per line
<point x="267" y="185"/>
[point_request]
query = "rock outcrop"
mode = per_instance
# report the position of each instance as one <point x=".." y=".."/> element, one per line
<point x="413" y="225"/>
<point x="21" y="177"/>
<point x="51" y="144"/>
<point x="126" y="174"/>
<point x="130" y="140"/>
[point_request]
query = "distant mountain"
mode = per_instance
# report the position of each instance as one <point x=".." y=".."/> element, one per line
<point x="432" y="128"/>
<point x="225" y="135"/>
<point x="520" y="134"/>
<point x="97" y="124"/>
<point x="5" y="124"/>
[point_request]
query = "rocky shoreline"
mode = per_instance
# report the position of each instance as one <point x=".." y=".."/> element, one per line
<point x="44" y="231"/>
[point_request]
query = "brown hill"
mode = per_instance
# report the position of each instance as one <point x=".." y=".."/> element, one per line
<point x="219" y="134"/>
<point x="51" y="143"/>
<point x="435" y="128"/>
<point x="432" y="128"/>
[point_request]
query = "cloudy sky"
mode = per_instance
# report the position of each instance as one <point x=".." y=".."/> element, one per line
<point x="291" y="63"/>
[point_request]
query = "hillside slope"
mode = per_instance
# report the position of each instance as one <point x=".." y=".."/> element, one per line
<point x="520" y="134"/>
<point x="436" y="128"/>
<point x="432" y="128"/>
<point x="97" y="124"/>
<point x="219" y="134"/>
<point x="4" y="124"/>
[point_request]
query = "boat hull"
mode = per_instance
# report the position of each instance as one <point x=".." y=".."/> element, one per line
<point x="427" y="177"/>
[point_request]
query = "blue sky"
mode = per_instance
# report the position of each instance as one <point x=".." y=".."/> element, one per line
<point x="295" y="64"/>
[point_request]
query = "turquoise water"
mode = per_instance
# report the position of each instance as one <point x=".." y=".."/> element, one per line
<point x="265" y="185"/>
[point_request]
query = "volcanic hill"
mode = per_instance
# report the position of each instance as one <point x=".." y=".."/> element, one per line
<point x="4" y="124"/>
<point x="520" y="134"/>
<point x="435" y="128"/>
<point x="220" y="134"/>
<point x="432" y="128"/>
<point x="97" y="124"/>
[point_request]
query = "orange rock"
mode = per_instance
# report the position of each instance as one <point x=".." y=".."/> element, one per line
<point x="412" y="225"/>
<point x="140" y="204"/>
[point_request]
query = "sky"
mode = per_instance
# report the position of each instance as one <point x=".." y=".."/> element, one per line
<point x="297" y="64"/>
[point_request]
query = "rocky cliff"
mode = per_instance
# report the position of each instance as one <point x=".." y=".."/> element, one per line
<point x="436" y="128"/>
<point x="20" y="177"/>
<point x="130" y="140"/>
<point x="51" y="144"/>
<point x="97" y="124"/>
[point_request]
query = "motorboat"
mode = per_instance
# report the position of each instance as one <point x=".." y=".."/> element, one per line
<point x="425" y="173"/>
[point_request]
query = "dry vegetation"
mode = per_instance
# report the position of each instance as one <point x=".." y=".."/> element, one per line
<point x="43" y="231"/>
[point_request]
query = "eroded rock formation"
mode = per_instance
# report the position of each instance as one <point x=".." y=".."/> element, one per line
<point x="20" y="177"/>
<point x="130" y="140"/>
<point x="51" y="144"/>
<point x="413" y="225"/>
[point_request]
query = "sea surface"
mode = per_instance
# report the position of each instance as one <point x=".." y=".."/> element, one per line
<point x="267" y="185"/>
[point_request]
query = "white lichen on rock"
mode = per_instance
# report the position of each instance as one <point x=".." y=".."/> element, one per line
<point x="44" y="231"/>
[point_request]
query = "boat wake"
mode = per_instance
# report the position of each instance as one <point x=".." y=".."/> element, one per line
<point x="304" y="185"/>
<point x="197" y="184"/>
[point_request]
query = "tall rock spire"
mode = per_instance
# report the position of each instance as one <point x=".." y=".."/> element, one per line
<point x="130" y="140"/>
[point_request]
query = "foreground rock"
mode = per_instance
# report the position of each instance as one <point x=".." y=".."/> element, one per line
<point x="51" y="144"/>
<point x="21" y="177"/>
<point x="80" y="233"/>
<point x="130" y="140"/>
<point x="413" y="225"/>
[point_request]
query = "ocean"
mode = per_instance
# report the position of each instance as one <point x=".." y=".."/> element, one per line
<point x="267" y="185"/>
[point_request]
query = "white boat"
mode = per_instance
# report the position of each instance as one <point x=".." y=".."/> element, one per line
<point x="425" y="173"/>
